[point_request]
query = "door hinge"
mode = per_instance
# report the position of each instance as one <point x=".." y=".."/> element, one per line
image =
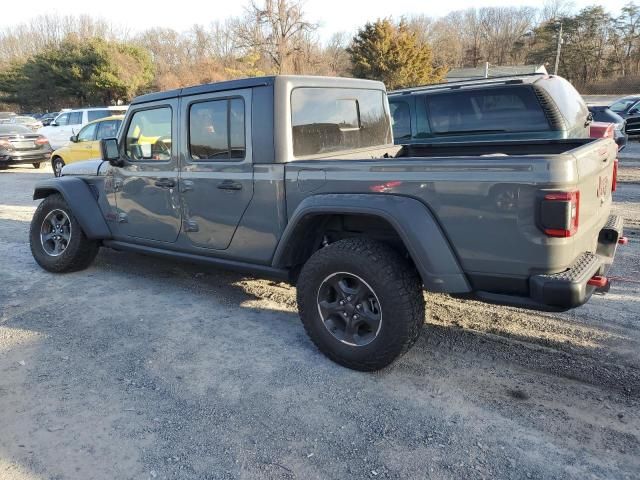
<point x="190" y="226"/>
<point x="186" y="185"/>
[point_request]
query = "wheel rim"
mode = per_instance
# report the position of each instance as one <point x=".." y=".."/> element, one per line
<point x="55" y="233"/>
<point x="349" y="309"/>
<point x="57" y="167"/>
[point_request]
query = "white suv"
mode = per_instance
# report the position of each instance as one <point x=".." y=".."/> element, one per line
<point x="69" y="123"/>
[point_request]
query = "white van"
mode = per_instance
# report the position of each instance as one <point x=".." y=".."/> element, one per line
<point x="70" y="122"/>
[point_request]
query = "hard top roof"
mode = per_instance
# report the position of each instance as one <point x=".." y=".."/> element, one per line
<point x="477" y="82"/>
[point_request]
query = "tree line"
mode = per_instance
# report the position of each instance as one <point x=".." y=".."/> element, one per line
<point x="63" y="61"/>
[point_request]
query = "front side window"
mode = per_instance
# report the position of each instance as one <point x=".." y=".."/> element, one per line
<point x="326" y="120"/>
<point x="216" y="130"/>
<point x="97" y="114"/>
<point x="62" y="120"/>
<point x="494" y="110"/>
<point x="88" y="133"/>
<point x="108" y="129"/>
<point x="149" y="135"/>
<point x="401" y="119"/>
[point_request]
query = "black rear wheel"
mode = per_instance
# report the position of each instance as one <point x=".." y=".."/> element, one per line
<point x="57" y="163"/>
<point x="361" y="303"/>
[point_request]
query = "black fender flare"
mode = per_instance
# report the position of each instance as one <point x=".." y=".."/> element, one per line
<point x="82" y="202"/>
<point x="412" y="220"/>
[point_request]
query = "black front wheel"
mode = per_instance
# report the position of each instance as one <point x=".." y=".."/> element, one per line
<point x="361" y="303"/>
<point x="57" y="241"/>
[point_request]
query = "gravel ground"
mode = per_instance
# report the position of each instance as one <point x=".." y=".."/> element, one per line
<point x="140" y="368"/>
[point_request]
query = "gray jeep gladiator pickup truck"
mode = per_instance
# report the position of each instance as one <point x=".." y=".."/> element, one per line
<point x="297" y="178"/>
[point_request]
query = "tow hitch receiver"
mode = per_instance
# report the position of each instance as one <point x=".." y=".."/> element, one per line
<point x="598" y="281"/>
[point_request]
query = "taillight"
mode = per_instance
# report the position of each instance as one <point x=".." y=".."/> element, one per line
<point x="560" y="213"/>
<point x="601" y="130"/>
<point x="41" y="140"/>
<point x="614" y="180"/>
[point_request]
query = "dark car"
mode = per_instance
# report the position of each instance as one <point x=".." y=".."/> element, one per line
<point x="606" y="115"/>
<point x="19" y="145"/>
<point x="629" y="109"/>
<point x="47" y="118"/>
<point x="528" y="107"/>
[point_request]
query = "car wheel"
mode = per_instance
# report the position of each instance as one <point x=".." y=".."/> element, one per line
<point x="57" y="241"/>
<point x="57" y="163"/>
<point x="361" y="303"/>
<point x="36" y="165"/>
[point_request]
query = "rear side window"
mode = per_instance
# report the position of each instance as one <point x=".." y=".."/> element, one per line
<point x="400" y="119"/>
<point x="216" y="130"/>
<point x="97" y="114"/>
<point x="75" y="118"/>
<point x="492" y="110"/>
<point x="568" y="100"/>
<point x="326" y="120"/>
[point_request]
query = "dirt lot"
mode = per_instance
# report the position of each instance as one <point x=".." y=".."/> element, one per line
<point x="142" y="368"/>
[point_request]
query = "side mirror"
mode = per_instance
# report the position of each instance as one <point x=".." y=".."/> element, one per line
<point x="74" y="138"/>
<point x="110" y="151"/>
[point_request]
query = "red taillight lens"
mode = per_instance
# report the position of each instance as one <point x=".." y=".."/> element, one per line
<point x="614" y="180"/>
<point x="601" y="130"/>
<point x="560" y="213"/>
<point x="41" y="141"/>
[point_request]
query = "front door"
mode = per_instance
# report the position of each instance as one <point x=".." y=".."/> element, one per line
<point x="217" y="171"/>
<point x="83" y="148"/>
<point x="147" y="199"/>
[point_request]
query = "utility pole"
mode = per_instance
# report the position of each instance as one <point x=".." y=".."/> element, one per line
<point x="560" y="41"/>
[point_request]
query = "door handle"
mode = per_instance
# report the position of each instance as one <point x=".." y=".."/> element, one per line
<point x="165" y="183"/>
<point x="229" y="185"/>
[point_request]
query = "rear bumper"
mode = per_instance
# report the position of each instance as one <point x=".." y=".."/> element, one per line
<point x="570" y="288"/>
<point x="27" y="158"/>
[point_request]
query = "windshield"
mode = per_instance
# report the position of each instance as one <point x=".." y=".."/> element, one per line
<point x="623" y="105"/>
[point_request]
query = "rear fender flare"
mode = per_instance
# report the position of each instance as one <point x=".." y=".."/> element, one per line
<point x="81" y="201"/>
<point x="411" y="219"/>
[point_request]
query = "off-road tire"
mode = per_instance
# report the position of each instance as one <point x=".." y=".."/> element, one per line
<point x="80" y="251"/>
<point x="394" y="281"/>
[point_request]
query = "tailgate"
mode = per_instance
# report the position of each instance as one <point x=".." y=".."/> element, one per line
<point x="595" y="167"/>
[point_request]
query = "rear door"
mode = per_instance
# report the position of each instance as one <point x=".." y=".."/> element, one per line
<point x="216" y="179"/>
<point x="147" y="197"/>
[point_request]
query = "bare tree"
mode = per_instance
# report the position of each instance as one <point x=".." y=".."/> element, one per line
<point x="278" y="30"/>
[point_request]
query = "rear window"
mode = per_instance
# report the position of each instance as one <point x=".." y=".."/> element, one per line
<point x="12" y="129"/>
<point x="326" y="120"/>
<point x="492" y="110"/>
<point x="97" y="114"/>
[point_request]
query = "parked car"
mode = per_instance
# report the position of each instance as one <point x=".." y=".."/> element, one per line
<point x="629" y="109"/>
<point x="86" y="144"/>
<point x="526" y="107"/>
<point x="5" y="117"/>
<point x="47" y="118"/>
<point x="297" y="178"/>
<point x="606" y="115"/>
<point x="20" y="145"/>
<point x="69" y="123"/>
<point x="29" y="122"/>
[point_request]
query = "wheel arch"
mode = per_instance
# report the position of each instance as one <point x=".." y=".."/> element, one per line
<point x="410" y="223"/>
<point x="82" y="201"/>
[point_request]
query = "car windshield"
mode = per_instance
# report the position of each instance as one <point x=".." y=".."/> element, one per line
<point x="622" y="105"/>
<point x="13" y="129"/>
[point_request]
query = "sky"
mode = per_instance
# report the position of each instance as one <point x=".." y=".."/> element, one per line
<point x="332" y="15"/>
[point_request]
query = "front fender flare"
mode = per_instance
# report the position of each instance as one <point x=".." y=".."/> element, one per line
<point x="412" y="220"/>
<point x="81" y="201"/>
